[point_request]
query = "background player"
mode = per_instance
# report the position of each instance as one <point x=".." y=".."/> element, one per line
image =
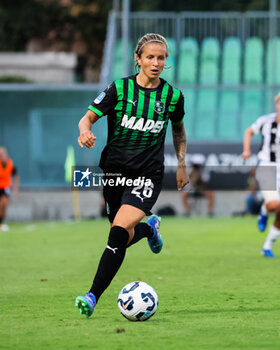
<point x="199" y="179"/>
<point x="138" y="109"/>
<point x="7" y="171"/>
<point x="269" y="127"/>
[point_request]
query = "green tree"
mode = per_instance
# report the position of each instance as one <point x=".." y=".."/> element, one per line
<point x="22" y="20"/>
<point x="199" y="5"/>
<point x="52" y="20"/>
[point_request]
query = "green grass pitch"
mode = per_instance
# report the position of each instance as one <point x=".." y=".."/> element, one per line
<point x="215" y="290"/>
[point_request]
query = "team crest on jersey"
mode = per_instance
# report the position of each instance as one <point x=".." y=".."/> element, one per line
<point x="99" y="98"/>
<point x="159" y="107"/>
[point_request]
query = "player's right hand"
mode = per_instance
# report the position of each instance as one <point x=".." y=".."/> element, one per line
<point x="246" y="154"/>
<point x="86" y="138"/>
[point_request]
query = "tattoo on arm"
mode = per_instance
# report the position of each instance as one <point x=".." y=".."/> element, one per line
<point x="180" y="142"/>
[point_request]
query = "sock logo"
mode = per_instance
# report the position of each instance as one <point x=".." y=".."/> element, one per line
<point x="113" y="249"/>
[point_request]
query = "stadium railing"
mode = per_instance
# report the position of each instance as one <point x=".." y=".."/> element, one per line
<point x="39" y="122"/>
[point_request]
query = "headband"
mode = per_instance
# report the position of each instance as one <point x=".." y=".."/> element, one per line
<point x="151" y="41"/>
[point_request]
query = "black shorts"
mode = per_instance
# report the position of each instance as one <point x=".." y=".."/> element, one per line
<point x="141" y="191"/>
<point x="5" y="192"/>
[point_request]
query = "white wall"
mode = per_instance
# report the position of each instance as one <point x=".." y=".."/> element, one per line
<point x="58" y="205"/>
<point x="46" y="67"/>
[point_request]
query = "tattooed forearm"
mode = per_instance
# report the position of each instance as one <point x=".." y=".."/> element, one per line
<point x="180" y="142"/>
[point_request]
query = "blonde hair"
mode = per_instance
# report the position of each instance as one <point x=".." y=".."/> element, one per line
<point x="277" y="97"/>
<point x="146" y="39"/>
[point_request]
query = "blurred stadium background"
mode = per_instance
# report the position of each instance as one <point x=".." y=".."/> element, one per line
<point x="226" y="60"/>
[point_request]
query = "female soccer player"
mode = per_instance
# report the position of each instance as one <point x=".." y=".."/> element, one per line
<point x="269" y="127"/>
<point x="138" y="109"/>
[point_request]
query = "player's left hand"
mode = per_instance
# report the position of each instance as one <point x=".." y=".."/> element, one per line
<point x="246" y="154"/>
<point x="182" y="177"/>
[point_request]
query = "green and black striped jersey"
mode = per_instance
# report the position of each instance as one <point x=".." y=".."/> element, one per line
<point x="137" y="122"/>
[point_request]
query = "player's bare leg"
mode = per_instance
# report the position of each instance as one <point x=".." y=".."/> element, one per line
<point x="128" y="217"/>
<point x="274" y="231"/>
<point x="211" y="202"/>
<point x="185" y="200"/>
<point x="4" y="201"/>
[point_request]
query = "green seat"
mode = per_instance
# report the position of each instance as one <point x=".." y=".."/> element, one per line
<point x="253" y="100"/>
<point x="253" y="61"/>
<point x="205" y="122"/>
<point x="209" y="61"/>
<point x="189" y="119"/>
<point x="229" y="100"/>
<point x="168" y="72"/>
<point x="231" y="61"/>
<point x="189" y="97"/>
<point x="268" y="101"/>
<point x="118" y="68"/>
<point x="187" y="63"/>
<point x="171" y="43"/>
<point x="251" y="107"/>
<point x="228" y="126"/>
<point x="273" y="62"/>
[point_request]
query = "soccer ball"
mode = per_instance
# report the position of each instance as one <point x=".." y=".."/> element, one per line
<point x="137" y="301"/>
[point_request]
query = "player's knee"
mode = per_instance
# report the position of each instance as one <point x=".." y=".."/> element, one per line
<point x="118" y="236"/>
<point x="124" y="224"/>
<point x="272" y="205"/>
<point x="277" y="209"/>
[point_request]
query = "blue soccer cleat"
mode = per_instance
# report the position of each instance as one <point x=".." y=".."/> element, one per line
<point x="267" y="253"/>
<point x="86" y="304"/>
<point x="155" y="242"/>
<point x="262" y="222"/>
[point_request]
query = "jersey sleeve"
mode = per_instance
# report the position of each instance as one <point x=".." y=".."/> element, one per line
<point x="178" y="114"/>
<point x="258" y="124"/>
<point x="105" y="101"/>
